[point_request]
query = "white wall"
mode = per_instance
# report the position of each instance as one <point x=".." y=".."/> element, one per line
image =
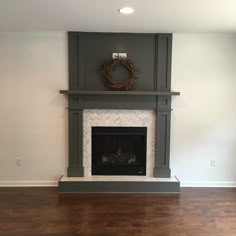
<point x="33" y="115"/>
<point x="204" y="116"/>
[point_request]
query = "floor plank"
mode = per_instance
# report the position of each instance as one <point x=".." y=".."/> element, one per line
<point x="42" y="211"/>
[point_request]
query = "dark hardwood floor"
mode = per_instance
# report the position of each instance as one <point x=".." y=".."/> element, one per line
<point x="42" y="211"/>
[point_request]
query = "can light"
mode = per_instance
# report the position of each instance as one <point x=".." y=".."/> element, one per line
<point x="126" y="10"/>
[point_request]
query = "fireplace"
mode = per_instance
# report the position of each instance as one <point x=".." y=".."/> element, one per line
<point x="151" y="56"/>
<point x="151" y="91"/>
<point x="119" y="150"/>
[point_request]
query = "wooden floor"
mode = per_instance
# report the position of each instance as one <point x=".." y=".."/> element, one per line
<point x="42" y="211"/>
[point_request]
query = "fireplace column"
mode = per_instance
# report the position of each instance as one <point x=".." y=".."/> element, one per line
<point x="75" y="168"/>
<point x="162" y="146"/>
<point x="163" y="106"/>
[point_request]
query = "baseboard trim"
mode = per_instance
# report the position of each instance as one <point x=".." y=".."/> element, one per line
<point x="55" y="184"/>
<point x="28" y="183"/>
<point x="208" y="184"/>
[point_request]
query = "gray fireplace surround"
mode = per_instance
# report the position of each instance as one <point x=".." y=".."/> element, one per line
<point x="151" y="55"/>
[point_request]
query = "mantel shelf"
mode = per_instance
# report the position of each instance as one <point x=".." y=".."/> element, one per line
<point x="139" y="93"/>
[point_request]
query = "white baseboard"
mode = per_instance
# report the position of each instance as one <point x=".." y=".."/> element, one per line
<point x="208" y="184"/>
<point x="28" y="183"/>
<point x="55" y="184"/>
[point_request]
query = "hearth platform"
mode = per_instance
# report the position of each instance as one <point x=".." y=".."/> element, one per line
<point x="118" y="184"/>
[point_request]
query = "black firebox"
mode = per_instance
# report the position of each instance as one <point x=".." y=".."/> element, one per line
<point x="119" y="150"/>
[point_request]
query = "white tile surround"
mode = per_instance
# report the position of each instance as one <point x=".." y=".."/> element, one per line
<point x="139" y="118"/>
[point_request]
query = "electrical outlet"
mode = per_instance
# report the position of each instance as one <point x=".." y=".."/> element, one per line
<point x="212" y="163"/>
<point x="18" y="162"/>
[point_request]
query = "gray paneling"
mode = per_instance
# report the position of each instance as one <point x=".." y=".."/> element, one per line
<point x="95" y="48"/>
<point x="115" y="102"/>
<point x="162" y="145"/>
<point x="73" y="40"/>
<point x="164" y="52"/>
<point x="75" y="143"/>
<point x="151" y="54"/>
<point x="164" y="102"/>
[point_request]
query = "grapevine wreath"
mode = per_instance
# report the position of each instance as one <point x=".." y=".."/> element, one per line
<point x="107" y="73"/>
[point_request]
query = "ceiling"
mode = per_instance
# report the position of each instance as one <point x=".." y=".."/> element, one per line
<point x="176" y="16"/>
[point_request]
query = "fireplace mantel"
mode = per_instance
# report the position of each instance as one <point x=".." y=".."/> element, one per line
<point x="133" y="93"/>
<point x="139" y="100"/>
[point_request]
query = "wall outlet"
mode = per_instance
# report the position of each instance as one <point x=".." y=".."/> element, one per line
<point x="18" y="162"/>
<point x="213" y="163"/>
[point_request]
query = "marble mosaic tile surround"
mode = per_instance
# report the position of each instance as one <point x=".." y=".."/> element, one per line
<point x="140" y="118"/>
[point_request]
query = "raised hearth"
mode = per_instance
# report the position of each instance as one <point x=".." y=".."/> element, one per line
<point x="118" y="184"/>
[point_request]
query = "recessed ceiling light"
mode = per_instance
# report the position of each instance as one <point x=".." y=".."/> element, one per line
<point x="126" y="10"/>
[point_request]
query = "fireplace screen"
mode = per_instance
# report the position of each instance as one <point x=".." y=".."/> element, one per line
<point x="119" y="150"/>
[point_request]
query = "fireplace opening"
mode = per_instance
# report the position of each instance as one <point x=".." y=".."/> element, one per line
<point x="119" y="150"/>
